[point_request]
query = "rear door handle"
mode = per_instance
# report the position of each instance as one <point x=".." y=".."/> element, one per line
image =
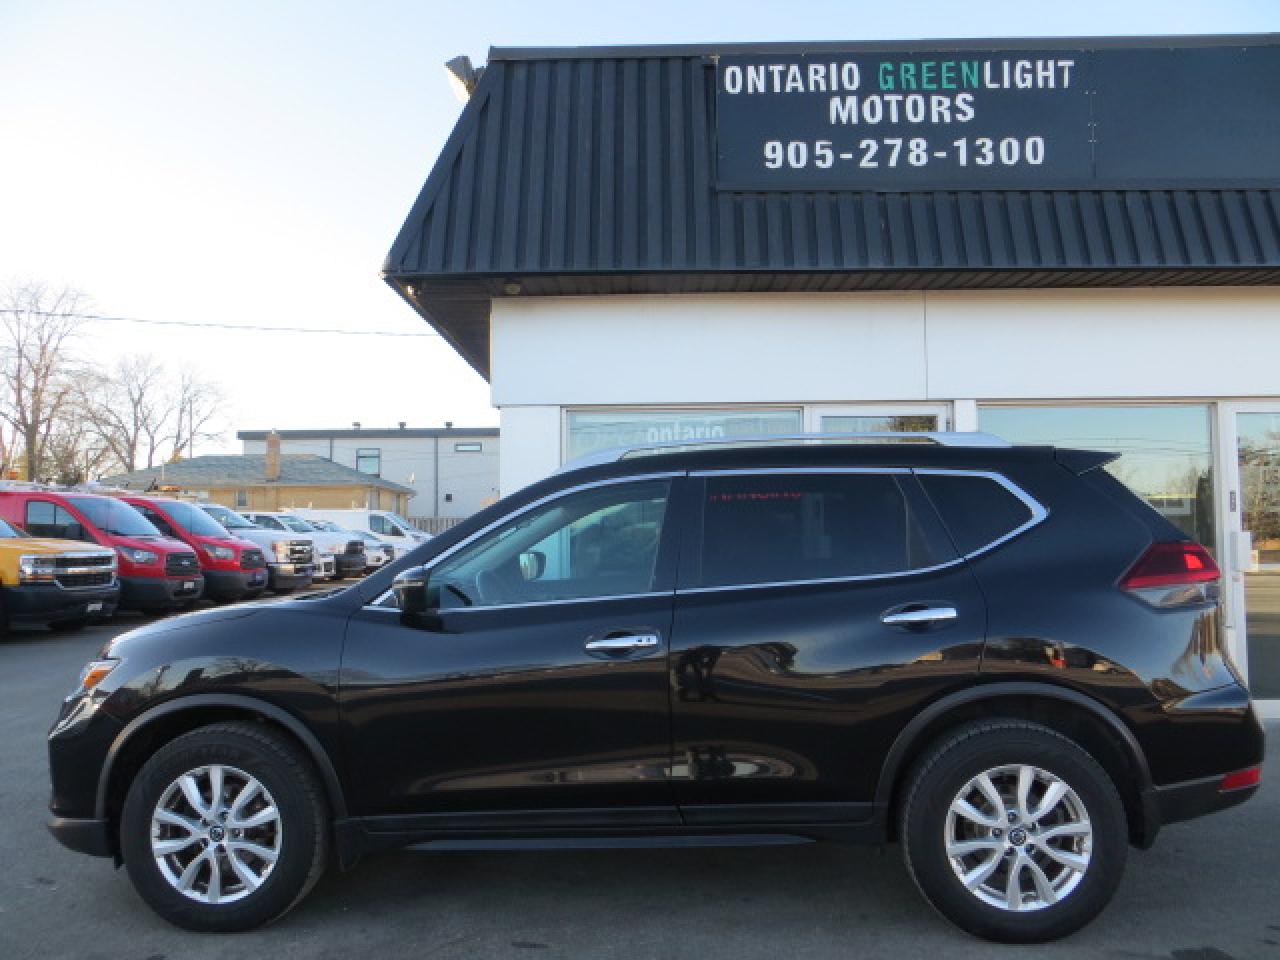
<point x="618" y="643"/>
<point x="919" y="616"/>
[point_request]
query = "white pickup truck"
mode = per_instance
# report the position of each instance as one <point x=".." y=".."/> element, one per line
<point x="337" y="555"/>
<point x="290" y="558"/>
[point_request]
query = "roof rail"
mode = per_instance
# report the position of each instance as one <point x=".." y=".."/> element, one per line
<point x="941" y="438"/>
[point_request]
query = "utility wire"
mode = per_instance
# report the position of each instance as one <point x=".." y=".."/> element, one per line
<point x="220" y="326"/>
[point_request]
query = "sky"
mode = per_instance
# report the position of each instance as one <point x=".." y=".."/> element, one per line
<point x="250" y="163"/>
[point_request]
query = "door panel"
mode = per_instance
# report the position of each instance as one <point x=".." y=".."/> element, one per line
<point x="794" y="694"/>
<point x="791" y="693"/>
<point x="541" y="681"/>
<point x="503" y="709"/>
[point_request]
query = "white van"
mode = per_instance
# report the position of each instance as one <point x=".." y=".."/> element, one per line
<point x="387" y="526"/>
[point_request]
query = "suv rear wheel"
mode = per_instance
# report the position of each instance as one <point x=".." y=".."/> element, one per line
<point x="1013" y="832"/>
<point x="224" y="828"/>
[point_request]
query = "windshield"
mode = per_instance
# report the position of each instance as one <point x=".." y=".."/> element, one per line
<point x="297" y="524"/>
<point x="326" y="525"/>
<point x="194" y="520"/>
<point x="114" y="517"/>
<point x="228" y="518"/>
<point x="9" y="530"/>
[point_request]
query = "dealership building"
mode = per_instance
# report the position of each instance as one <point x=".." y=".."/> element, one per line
<point x="1067" y="241"/>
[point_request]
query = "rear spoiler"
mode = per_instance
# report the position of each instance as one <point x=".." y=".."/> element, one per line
<point x="1082" y="461"/>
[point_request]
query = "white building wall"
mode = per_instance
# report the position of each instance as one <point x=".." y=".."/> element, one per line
<point x="953" y="346"/>
<point x="467" y="481"/>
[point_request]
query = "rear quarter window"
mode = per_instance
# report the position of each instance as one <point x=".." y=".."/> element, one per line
<point x="977" y="510"/>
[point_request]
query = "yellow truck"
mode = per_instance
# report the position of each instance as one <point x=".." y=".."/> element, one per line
<point x="59" y="583"/>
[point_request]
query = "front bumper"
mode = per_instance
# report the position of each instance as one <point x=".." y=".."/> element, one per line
<point x="349" y="564"/>
<point x="290" y="576"/>
<point x="234" y="584"/>
<point x="83" y="836"/>
<point x="159" y="593"/>
<point x="41" y="603"/>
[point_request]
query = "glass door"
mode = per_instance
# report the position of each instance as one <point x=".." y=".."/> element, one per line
<point x="879" y="418"/>
<point x="1255" y="557"/>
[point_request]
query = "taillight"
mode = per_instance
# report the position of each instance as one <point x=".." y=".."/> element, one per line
<point x="1173" y="574"/>
<point x="1249" y="777"/>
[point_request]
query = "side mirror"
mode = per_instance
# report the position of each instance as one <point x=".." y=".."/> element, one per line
<point x="413" y="597"/>
<point x="533" y="564"/>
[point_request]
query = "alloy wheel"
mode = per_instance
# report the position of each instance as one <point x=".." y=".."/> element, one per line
<point x="1018" y="838"/>
<point x="216" y="833"/>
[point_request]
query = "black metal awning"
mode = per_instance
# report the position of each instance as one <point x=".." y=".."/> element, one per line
<point x="591" y="171"/>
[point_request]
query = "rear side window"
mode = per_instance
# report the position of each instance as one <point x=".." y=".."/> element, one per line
<point x="976" y="510"/>
<point x="775" y="528"/>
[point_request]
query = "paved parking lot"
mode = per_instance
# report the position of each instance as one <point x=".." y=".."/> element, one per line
<point x="1207" y="892"/>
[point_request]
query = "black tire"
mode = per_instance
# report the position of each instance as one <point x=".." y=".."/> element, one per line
<point x="68" y="626"/>
<point x="953" y="763"/>
<point x="291" y="780"/>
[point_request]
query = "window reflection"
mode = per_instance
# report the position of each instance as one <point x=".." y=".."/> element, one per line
<point x="1166" y="450"/>
<point x="591" y="430"/>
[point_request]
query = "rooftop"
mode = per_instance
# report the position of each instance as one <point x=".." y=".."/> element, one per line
<point x="597" y="171"/>
<point x="249" y="470"/>
<point x="372" y="433"/>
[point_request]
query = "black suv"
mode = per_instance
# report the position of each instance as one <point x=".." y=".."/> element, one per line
<point x="997" y="656"/>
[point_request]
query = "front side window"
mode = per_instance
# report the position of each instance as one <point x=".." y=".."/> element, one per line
<point x="369" y="460"/>
<point x="777" y="528"/>
<point x="45" y="519"/>
<point x="380" y="524"/>
<point x="601" y="542"/>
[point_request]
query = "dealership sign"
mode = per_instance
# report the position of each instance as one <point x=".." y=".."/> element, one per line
<point x="1141" y="117"/>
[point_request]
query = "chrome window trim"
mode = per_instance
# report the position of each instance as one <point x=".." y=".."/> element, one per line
<point x="1039" y="512"/>
<point x="761" y="471"/>
<point x="852" y="578"/>
<point x="550" y="497"/>
<point x="543" y="603"/>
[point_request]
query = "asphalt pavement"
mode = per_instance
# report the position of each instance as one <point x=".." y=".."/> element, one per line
<point x="1208" y="891"/>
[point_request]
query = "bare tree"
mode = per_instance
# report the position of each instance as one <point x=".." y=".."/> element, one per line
<point x="37" y="372"/>
<point x="142" y="416"/>
<point x="197" y="405"/>
<point x="129" y="409"/>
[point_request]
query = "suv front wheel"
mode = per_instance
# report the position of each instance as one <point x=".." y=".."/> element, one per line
<point x="1013" y="832"/>
<point x="224" y="828"/>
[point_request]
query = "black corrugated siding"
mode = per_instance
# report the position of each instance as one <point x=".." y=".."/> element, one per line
<point x="583" y="173"/>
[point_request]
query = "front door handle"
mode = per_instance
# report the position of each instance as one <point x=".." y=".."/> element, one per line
<point x="618" y="643"/>
<point x="919" y="616"/>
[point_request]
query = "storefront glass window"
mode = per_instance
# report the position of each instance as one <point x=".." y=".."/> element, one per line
<point x="600" y="430"/>
<point x="1166" y="450"/>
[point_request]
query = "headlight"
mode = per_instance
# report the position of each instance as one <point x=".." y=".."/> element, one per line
<point x="36" y="568"/>
<point x="220" y="553"/>
<point x="281" y="549"/>
<point x="94" y="672"/>
<point x="135" y="555"/>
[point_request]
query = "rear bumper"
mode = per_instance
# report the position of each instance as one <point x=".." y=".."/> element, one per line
<point x="159" y="593"/>
<point x="51" y="603"/>
<point x="1196" y="798"/>
<point x="234" y="584"/>
<point x="83" y="836"/>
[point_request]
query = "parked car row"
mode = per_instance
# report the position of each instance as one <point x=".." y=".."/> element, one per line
<point x="69" y="556"/>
